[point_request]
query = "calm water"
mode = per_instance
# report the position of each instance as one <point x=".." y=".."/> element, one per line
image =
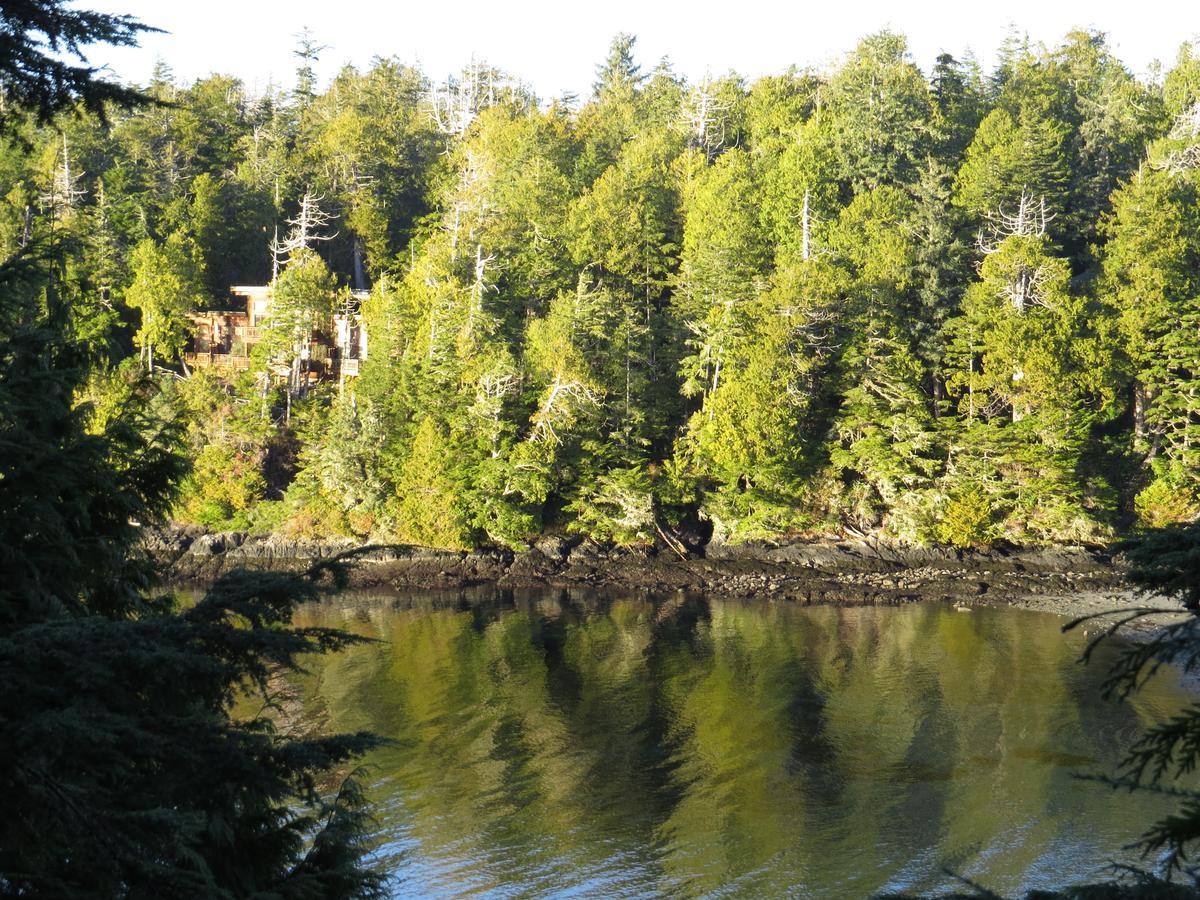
<point x="544" y="745"/>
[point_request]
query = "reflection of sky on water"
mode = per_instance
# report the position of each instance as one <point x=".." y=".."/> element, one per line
<point x="627" y="747"/>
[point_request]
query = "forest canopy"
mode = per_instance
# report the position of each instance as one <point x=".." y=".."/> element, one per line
<point x="946" y="306"/>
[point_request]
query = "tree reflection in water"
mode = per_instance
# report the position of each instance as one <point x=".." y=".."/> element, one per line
<point x="548" y="742"/>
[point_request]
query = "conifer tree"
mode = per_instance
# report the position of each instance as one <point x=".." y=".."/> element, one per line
<point x="167" y="284"/>
<point x="879" y="113"/>
<point x="124" y="770"/>
<point x="1150" y="281"/>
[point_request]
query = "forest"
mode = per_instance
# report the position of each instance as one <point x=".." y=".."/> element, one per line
<point x="957" y="307"/>
<point x="952" y="306"/>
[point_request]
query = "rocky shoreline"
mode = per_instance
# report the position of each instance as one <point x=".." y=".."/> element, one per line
<point x="1072" y="580"/>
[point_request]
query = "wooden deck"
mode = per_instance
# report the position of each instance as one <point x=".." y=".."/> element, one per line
<point x="225" y="362"/>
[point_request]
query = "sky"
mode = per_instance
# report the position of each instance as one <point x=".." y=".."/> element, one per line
<point x="555" y="45"/>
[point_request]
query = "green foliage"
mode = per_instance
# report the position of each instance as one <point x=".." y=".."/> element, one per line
<point x="1152" y="289"/>
<point x="724" y="251"/>
<point x="958" y="94"/>
<point x="1181" y="87"/>
<point x="222" y="488"/>
<point x="880" y="113"/>
<point x="124" y="769"/>
<point x="617" y="507"/>
<point x="121" y="745"/>
<point x="73" y="494"/>
<point x="429" y="496"/>
<point x="119" y="738"/>
<point x="741" y="445"/>
<point x="302" y="299"/>
<point x="227" y="220"/>
<point x="931" y="309"/>
<point x="1023" y="315"/>
<point x="967" y="519"/>
<point x="824" y="301"/>
<point x="1169" y="499"/>
<point x="1011" y="153"/>
<point x="370" y="145"/>
<point x="339" y="487"/>
<point x="230" y="442"/>
<point x="167" y="284"/>
<point x="799" y="193"/>
<point x="625" y="224"/>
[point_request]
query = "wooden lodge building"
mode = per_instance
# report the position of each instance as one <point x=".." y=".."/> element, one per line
<point x="225" y="339"/>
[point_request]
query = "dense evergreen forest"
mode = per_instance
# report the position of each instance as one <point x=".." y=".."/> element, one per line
<point x="955" y="306"/>
<point x="947" y="309"/>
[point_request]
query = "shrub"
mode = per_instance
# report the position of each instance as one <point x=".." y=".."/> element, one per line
<point x="967" y="520"/>
<point x="1165" y="501"/>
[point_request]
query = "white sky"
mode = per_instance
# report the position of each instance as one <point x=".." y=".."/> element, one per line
<point x="555" y="45"/>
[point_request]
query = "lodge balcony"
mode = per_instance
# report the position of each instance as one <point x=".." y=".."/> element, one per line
<point x="225" y="362"/>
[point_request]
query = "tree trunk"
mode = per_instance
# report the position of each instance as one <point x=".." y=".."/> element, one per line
<point x="971" y="383"/>
<point x="360" y="276"/>
<point x="1140" y="403"/>
<point x="805" y="247"/>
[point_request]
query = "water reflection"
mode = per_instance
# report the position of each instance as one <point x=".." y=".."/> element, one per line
<point x="549" y="743"/>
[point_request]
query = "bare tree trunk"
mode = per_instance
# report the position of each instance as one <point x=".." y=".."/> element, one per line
<point x="477" y="288"/>
<point x="68" y="183"/>
<point x="1191" y="415"/>
<point x="971" y="384"/>
<point x="1140" y="402"/>
<point x="716" y="380"/>
<point x="628" y="386"/>
<point x="360" y="276"/>
<point x="805" y="246"/>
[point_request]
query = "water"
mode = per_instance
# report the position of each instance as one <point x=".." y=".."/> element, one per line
<point x="624" y="747"/>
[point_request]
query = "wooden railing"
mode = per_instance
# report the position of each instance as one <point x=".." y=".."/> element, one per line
<point x="226" y="361"/>
<point x="230" y="362"/>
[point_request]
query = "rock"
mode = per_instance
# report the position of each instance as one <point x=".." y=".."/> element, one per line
<point x="802" y="571"/>
<point x="207" y="545"/>
<point x="553" y="547"/>
<point x="586" y="552"/>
